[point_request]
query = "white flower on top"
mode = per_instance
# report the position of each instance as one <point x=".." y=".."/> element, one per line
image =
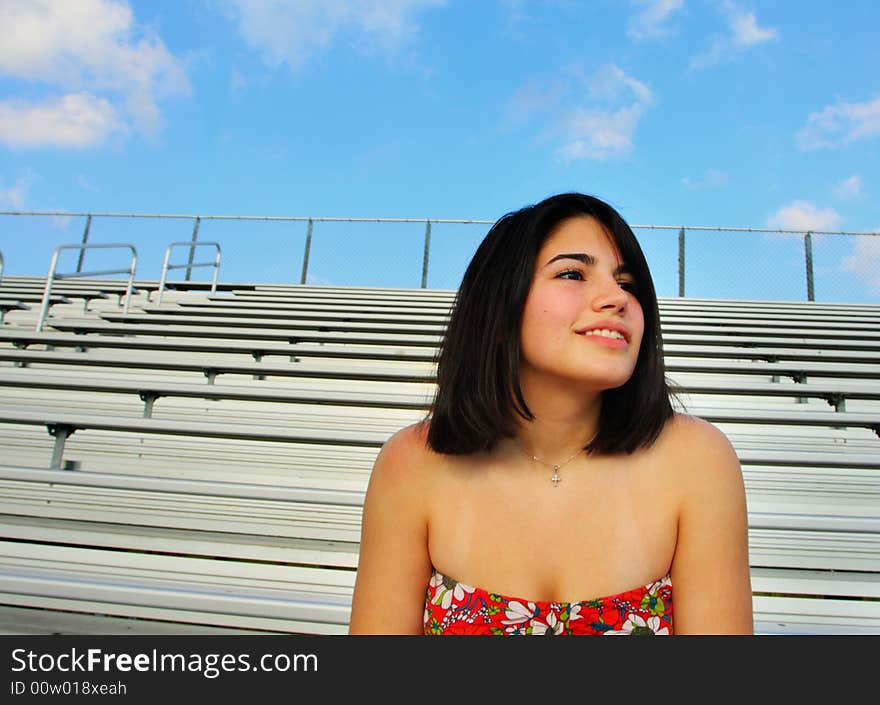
<point x="518" y="613"/>
<point x="553" y="626"/>
<point x="637" y="625"/>
<point x="448" y="589"/>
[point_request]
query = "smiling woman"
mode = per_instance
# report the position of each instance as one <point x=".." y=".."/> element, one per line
<point x="551" y="464"/>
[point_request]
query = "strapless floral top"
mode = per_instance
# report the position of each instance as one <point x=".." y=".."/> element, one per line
<point x="452" y="607"/>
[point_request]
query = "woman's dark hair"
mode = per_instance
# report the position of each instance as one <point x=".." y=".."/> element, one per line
<point x="478" y="389"/>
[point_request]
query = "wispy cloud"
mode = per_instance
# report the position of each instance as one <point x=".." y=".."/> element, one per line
<point x="106" y="73"/>
<point x="711" y="178"/>
<point x="840" y="125"/>
<point x="849" y="189"/>
<point x="802" y="215"/>
<point x="78" y="120"/>
<point x="864" y="261"/>
<point x="743" y="33"/>
<point x="588" y="115"/>
<point x="292" y="32"/>
<point x="652" y="19"/>
<point x="15" y="197"/>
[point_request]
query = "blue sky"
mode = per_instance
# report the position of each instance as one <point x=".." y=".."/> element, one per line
<point x="701" y="112"/>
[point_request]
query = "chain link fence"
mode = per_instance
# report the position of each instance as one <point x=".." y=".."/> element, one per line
<point x="694" y="261"/>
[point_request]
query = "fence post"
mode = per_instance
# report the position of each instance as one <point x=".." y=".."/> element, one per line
<point x="192" y="250"/>
<point x="425" y="258"/>
<point x="681" y="262"/>
<point x="808" y="251"/>
<point x="305" y="271"/>
<point x="85" y="241"/>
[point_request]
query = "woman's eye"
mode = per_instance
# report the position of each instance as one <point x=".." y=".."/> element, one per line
<point x="570" y="274"/>
<point x="628" y="286"/>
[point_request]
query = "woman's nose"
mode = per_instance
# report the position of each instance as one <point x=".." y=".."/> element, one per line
<point x="609" y="296"/>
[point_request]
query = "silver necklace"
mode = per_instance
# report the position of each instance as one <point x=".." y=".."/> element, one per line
<point x="555" y="479"/>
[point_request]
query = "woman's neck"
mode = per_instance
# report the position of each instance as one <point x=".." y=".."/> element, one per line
<point x="563" y="423"/>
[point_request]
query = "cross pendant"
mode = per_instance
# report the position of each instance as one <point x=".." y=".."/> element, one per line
<point x="555" y="479"/>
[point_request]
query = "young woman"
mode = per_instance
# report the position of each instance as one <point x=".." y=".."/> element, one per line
<point x="552" y="489"/>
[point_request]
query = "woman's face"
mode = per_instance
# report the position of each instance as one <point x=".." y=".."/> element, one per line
<point x="582" y="323"/>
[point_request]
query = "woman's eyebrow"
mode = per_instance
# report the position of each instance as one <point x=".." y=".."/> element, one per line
<point x="587" y="259"/>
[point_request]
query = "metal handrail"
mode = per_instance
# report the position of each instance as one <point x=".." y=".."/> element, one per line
<point x="193" y="244"/>
<point x="44" y="309"/>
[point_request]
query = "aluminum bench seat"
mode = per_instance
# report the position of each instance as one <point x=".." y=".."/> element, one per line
<point x="323" y="515"/>
<point x="782" y="361"/>
<point x="260" y="349"/>
<point x="728" y="333"/>
<point x="8" y="305"/>
<point x="433" y="324"/>
<point x="825" y="607"/>
<point x="435" y="309"/>
<point x="344" y="403"/>
<point x="145" y="584"/>
<point x="345" y="435"/>
<point x="60" y="294"/>
<point x="762" y="304"/>
<point x="284" y="311"/>
<point x="34" y="622"/>
<point x="334" y="515"/>
<point x="209" y="369"/>
<point x="685" y="309"/>
<point x="257" y="349"/>
<point x="406" y="396"/>
<point x="853" y="326"/>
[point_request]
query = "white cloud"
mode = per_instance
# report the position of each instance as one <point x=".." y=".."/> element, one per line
<point x="744" y="27"/>
<point x="293" y="31"/>
<point x="601" y="119"/>
<point x="611" y="84"/>
<point x="652" y="21"/>
<point x="743" y="34"/>
<point x="93" y="51"/>
<point x="711" y="178"/>
<point x="849" y="188"/>
<point x="804" y="216"/>
<point x="15" y="197"/>
<point x="600" y="134"/>
<point x="588" y="115"/>
<point x="865" y="260"/>
<point x="840" y="125"/>
<point x="79" y="120"/>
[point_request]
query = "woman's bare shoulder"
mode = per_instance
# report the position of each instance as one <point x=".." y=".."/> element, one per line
<point x="405" y="458"/>
<point x="686" y="430"/>
<point x="698" y="450"/>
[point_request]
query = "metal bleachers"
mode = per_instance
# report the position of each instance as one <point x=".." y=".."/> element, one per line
<point x="200" y="465"/>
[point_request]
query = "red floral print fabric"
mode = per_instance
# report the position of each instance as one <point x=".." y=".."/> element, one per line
<point x="452" y="607"/>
